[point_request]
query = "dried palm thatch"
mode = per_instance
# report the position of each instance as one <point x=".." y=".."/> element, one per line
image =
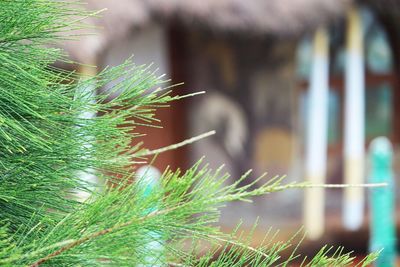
<point x="265" y="16"/>
<point x="275" y="17"/>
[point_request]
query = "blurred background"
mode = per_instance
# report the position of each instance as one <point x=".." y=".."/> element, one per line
<point x="294" y="87"/>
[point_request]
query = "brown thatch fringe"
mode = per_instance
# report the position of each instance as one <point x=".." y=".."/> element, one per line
<point x="274" y="17"/>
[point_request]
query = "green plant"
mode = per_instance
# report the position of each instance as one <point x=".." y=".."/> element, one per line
<point x="46" y="143"/>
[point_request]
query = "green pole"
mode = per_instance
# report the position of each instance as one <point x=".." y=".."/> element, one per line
<point x="382" y="202"/>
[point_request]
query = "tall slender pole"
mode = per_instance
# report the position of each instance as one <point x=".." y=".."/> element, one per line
<point x="316" y="145"/>
<point x="382" y="202"/>
<point x="148" y="178"/>
<point x="86" y="93"/>
<point x="354" y="139"/>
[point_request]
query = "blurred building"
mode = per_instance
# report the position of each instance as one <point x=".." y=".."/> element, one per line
<point x="254" y="59"/>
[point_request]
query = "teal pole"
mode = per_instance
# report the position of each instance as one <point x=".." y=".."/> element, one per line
<point x="148" y="178"/>
<point x="382" y="202"/>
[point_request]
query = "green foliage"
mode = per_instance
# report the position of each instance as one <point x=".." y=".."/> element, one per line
<point x="46" y="142"/>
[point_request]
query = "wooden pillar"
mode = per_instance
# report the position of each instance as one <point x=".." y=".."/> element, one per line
<point x="316" y="146"/>
<point x="178" y="124"/>
<point x="354" y="132"/>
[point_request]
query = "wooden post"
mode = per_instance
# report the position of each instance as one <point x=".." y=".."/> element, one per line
<point x="316" y="145"/>
<point x="382" y="202"/>
<point x="354" y="138"/>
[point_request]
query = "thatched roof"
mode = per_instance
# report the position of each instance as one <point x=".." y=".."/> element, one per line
<point x="275" y="17"/>
<point x="266" y="16"/>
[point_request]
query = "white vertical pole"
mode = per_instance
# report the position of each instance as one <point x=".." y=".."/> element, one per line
<point x="354" y="122"/>
<point x="316" y="145"/>
<point x="88" y="176"/>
